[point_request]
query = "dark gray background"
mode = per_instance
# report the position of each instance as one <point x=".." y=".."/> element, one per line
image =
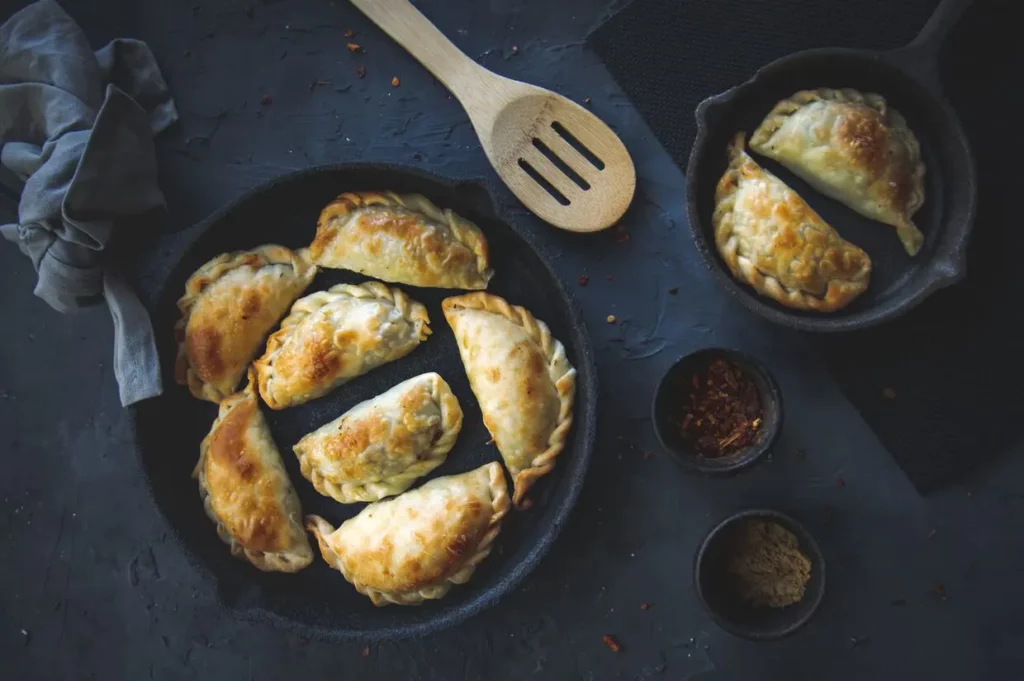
<point x="93" y="586"/>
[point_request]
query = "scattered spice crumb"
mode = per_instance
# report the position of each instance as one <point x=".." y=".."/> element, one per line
<point x="354" y="47"/>
<point x="366" y="652"/>
<point x="586" y="100"/>
<point x="349" y="33"/>
<point x="609" y="277"/>
<point x="395" y="82"/>
<point x="889" y="393"/>
<point x="673" y="291"/>
<point x="267" y="100"/>
<point x="612" y="644"/>
<point x="303" y="640"/>
<point x="185" y="53"/>
<point x="932" y="533"/>
<point x="584" y="280"/>
<point x="940" y="589"/>
<point x="645" y="606"/>
<point x="515" y="49"/>
<point x="840" y="481"/>
<point x="360" y="71"/>
<point x="610" y="319"/>
<point x="970" y="494"/>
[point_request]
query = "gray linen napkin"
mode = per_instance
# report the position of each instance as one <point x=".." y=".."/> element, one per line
<point x="76" y="127"/>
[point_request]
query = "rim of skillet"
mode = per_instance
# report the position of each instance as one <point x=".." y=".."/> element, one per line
<point x="586" y="422"/>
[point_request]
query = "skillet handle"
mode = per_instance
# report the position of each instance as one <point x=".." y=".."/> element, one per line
<point x="921" y="56"/>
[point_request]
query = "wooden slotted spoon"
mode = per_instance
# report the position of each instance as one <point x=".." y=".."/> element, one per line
<point x="559" y="159"/>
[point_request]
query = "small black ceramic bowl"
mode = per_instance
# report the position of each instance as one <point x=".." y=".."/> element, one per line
<point x="735" y="615"/>
<point x="673" y="393"/>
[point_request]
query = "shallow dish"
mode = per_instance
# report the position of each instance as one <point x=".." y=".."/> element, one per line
<point x="168" y="429"/>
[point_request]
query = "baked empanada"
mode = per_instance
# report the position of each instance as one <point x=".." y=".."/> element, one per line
<point x="403" y="239"/>
<point x="771" y="239"/>
<point x="854" y="148"/>
<point x="379" y="447"/>
<point x="522" y="380"/>
<point x="414" y="547"/>
<point x="332" y="336"/>
<point x="246" y="491"/>
<point x="229" y="306"/>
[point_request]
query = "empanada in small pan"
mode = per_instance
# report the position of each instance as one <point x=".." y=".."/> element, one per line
<point x="771" y="239"/>
<point x="246" y="491"/>
<point x="381" y="446"/>
<point x="854" y="148"/>
<point x="332" y="336"/>
<point x="416" y="546"/>
<point x="401" y="238"/>
<point x="230" y="304"/>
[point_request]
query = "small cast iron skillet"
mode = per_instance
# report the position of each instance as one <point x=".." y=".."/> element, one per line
<point x="909" y="80"/>
<point x="317" y="600"/>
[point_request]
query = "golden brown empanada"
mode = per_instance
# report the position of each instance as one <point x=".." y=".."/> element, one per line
<point x="332" y="336"/>
<point x="854" y="148"/>
<point x="522" y="380"/>
<point x="381" y="446"/>
<point x="246" y="491"/>
<point x="771" y="239"/>
<point x="229" y="306"/>
<point x="403" y="239"/>
<point x="414" y="547"/>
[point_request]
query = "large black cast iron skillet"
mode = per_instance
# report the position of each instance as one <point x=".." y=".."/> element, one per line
<point x="318" y="600"/>
<point x="909" y="79"/>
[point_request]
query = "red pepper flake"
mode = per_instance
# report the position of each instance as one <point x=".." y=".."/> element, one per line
<point x="889" y="393"/>
<point x="354" y="47"/>
<point x="840" y="481"/>
<point x="723" y="411"/>
<point x="267" y="100"/>
<point x="970" y="494"/>
<point x="515" y="49"/>
<point x="395" y="82"/>
<point x="366" y="652"/>
<point x="360" y="71"/>
<point x="612" y="644"/>
<point x="940" y="589"/>
<point x="584" y="280"/>
<point x="645" y="606"/>
<point x="609" y="277"/>
<point x="349" y="33"/>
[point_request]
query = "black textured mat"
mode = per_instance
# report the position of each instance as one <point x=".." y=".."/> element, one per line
<point x="943" y="387"/>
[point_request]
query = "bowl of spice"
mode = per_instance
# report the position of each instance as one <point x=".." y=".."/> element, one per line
<point x="717" y="411"/>
<point x="760" y="574"/>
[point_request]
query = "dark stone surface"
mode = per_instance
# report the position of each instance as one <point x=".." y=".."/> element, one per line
<point x="94" y="588"/>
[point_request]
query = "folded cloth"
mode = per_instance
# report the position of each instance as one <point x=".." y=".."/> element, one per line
<point x="77" y="127"/>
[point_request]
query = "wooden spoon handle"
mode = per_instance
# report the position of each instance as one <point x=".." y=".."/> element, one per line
<point x="413" y="31"/>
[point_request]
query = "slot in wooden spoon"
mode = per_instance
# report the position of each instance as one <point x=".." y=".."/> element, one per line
<point x="559" y="159"/>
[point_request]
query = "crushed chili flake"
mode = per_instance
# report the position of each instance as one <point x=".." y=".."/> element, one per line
<point x="354" y="47"/>
<point x="724" y="411"/>
<point x="609" y="277"/>
<point x="349" y="33"/>
<point x="584" y="280"/>
<point x="361" y="71"/>
<point x="366" y="652"/>
<point x="612" y="644"/>
<point x="395" y="82"/>
<point x="267" y="100"/>
<point x="840" y="481"/>
<point x="645" y="606"/>
<point x="940" y="589"/>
